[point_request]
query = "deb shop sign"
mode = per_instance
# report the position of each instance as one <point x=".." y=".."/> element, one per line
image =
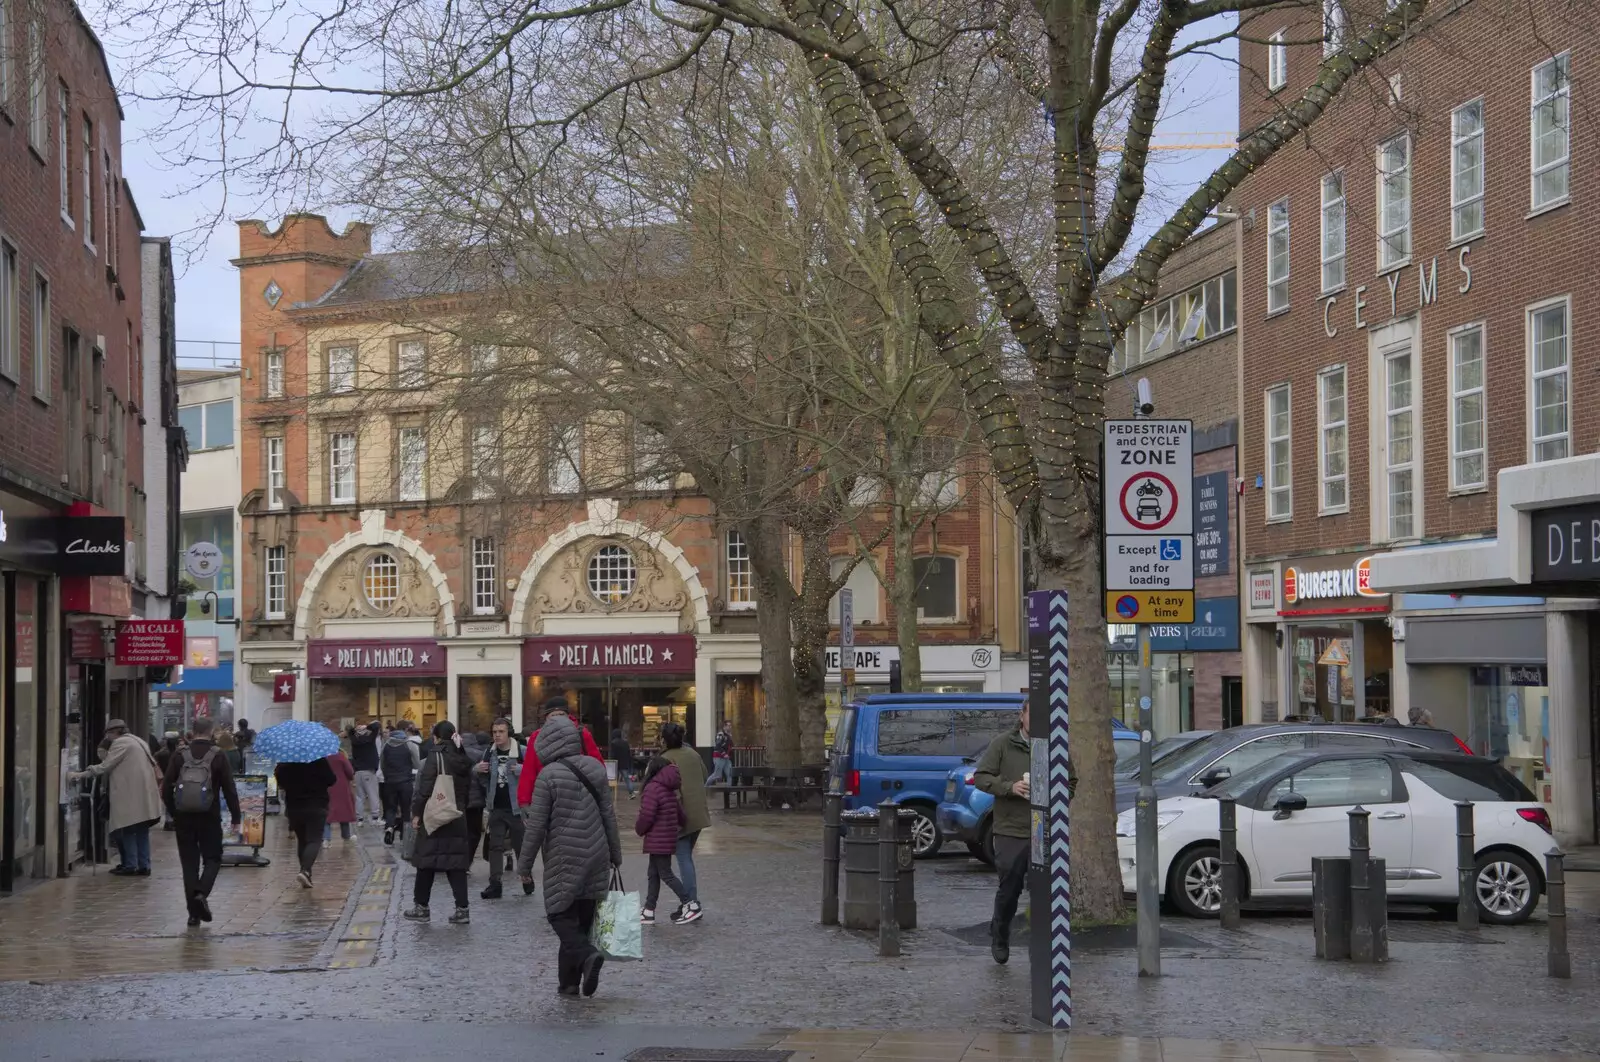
<point x="150" y="643"/>
<point x="416" y="657"/>
<point x="1566" y="543"/>
<point x="625" y="654"/>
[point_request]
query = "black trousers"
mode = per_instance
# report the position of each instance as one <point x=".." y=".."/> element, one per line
<point x="199" y="836"/>
<point x="424" y="886"/>
<point x="474" y="819"/>
<point x="661" y="870"/>
<point x="1011" y="859"/>
<point x="307" y="824"/>
<point x="396" y="802"/>
<point x="505" y="829"/>
<point x="572" y="926"/>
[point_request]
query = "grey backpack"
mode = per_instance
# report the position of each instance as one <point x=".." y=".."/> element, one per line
<point x="194" y="791"/>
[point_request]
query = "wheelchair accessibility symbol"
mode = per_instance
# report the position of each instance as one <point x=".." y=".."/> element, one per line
<point x="1149" y="502"/>
<point x="1172" y="549"/>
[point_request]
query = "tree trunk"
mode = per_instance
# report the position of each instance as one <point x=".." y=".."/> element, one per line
<point x="811" y="628"/>
<point x="775" y="599"/>
<point x="1073" y="564"/>
<point x="903" y="598"/>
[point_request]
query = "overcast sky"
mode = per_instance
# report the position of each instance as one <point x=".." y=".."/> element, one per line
<point x="1201" y="99"/>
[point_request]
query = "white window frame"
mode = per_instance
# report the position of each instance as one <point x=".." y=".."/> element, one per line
<point x="411" y="447"/>
<point x="1412" y="465"/>
<point x="1333" y="208"/>
<point x="42" y="333"/>
<point x="1277" y="62"/>
<point x="1326" y="425"/>
<point x="484" y="460"/>
<point x="411" y="371"/>
<point x="38" y="119"/>
<point x="277" y="470"/>
<point x="741" y="574"/>
<point x="63" y="138"/>
<point x="86" y="175"/>
<point x="342" y="381"/>
<point x="10" y="304"/>
<point x="867" y="601"/>
<point x="1535" y="375"/>
<point x="1457" y="394"/>
<point x="564" y="469"/>
<point x="274" y="374"/>
<point x="1334" y="24"/>
<point x="1563" y="62"/>
<point x="342" y="467"/>
<point x="1389" y="180"/>
<point x="485" y="595"/>
<point x="1458" y="143"/>
<point x="276" y="580"/>
<point x="1276" y="490"/>
<point x="1278" y="286"/>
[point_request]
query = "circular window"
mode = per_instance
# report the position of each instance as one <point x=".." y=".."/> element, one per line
<point x="612" y="574"/>
<point x="380" y="581"/>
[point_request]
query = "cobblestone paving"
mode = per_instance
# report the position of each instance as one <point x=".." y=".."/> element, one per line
<point x="760" y="960"/>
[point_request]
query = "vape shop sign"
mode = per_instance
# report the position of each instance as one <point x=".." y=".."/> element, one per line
<point x="150" y="643"/>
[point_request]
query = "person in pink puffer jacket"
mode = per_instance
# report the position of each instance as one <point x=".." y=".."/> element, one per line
<point x="660" y="819"/>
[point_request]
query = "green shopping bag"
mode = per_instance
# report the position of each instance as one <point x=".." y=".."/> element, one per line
<point x="617" y="931"/>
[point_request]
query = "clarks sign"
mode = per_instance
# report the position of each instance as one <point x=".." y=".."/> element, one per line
<point x="416" y="657"/>
<point x="610" y="655"/>
<point x="66" y="545"/>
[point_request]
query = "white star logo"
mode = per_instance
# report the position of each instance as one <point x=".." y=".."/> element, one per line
<point x="327" y="659"/>
<point x="283" y="688"/>
<point x="666" y="654"/>
<point x="544" y="657"/>
<point x="424" y="658"/>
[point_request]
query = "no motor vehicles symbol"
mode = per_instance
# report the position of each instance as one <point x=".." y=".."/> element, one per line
<point x="1148" y="501"/>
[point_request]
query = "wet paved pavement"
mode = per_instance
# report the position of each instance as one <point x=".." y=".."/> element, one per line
<point x="759" y="960"/>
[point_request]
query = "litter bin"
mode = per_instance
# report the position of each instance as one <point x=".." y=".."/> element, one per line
<point x="859" y="905"/>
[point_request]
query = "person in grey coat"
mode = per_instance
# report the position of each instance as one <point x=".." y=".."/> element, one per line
<point x="572" y="821"/>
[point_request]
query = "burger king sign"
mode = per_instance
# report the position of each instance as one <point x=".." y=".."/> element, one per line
<point x="1301" y="584"/>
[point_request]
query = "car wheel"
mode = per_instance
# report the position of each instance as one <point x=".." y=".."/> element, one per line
<point x="1506" y="887"/>
<point x="925" y="836"/>
<point x="1196" y="884"/>
<point x="983" y="848"/>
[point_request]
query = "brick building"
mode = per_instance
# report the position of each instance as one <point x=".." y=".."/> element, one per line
<point x="75" y="415"/>
<point x="382" y="561"/>
<point x="1186" y="343"/>
<point x="1414" y="276"/>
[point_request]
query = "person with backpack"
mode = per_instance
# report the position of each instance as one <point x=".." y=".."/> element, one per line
<point x="400" y="761"/>
<point x="195" y="780"/>
<point x="660" y="817"/>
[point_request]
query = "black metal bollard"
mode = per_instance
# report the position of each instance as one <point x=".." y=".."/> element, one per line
<point x="1330" y="906"/>
<point x="1555" y="885"/>
<point x="1228" y="812"/>
<point x="830" y="858"/>
<point x="1466" y="864"/>
<point x="888" y="878"/>
<point x="1363" y="920"/>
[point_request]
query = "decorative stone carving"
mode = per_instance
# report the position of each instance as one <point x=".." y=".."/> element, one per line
<point x="341" y="595"/>
<point x="563" y="585"/>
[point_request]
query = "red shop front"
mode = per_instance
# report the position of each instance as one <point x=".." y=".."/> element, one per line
<point x="354" y="681"/>
<point x="635" y="682"/>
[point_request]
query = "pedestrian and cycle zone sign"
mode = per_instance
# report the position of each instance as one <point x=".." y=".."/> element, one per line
<point x="1147" y="476"/>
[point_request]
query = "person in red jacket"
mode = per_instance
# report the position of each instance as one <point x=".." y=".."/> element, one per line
<point x="660" y="818"/>
<point x="531" y="764"/>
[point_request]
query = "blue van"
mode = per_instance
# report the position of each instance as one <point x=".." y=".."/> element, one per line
<point x="902" y="746"/>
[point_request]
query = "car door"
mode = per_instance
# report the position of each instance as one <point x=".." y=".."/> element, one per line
<point x="1283" y="847"/>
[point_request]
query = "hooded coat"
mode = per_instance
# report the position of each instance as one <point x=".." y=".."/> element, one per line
<point x="451" y="847"/>
<point x="574" y="829"/>
<point x="660" y="812"/>
<point x="341" y="797"/>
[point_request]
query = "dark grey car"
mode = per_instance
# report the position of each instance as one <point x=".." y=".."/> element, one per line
<point x="1226" y="753"/>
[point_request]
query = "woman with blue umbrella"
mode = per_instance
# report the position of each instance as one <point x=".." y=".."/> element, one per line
<point x="301" y="748"/>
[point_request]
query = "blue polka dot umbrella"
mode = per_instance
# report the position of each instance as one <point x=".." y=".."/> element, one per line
<point x="296" y="741"/>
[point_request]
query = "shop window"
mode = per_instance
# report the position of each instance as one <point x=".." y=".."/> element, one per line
<point x="936" y="588"/>
<point x="914" y="732"/>
<point x="380" y="580"/>
<point x="865" y="592"/>
<point x="612" y="574"/>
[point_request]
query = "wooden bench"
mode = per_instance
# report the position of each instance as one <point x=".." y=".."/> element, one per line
<point x="773" y="787"/>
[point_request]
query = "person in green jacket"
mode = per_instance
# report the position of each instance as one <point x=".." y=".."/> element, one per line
<point x="1002" y="771"/>
<point x="696" y="814"/>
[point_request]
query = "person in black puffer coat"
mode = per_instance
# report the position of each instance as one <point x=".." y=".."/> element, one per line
<point x="449" y="848"/>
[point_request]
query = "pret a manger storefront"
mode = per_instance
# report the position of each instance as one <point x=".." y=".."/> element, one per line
<point x="357" y="680"/>
<point x="634" y="682"/>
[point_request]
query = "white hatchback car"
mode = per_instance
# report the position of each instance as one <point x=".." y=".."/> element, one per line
<point x="1294" y="807"/>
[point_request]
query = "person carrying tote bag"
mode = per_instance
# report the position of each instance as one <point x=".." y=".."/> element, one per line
<point x="442" y="842"/>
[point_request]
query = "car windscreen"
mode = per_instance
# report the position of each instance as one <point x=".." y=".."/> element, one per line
<point x="1463" y="780"/>
<point x="1186" y="761"/>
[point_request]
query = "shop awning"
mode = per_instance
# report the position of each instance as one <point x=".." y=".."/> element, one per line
<point x="194" y="679"/>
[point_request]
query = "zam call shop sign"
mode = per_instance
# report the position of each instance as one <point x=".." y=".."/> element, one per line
<point x="332" y="658"/>
<point x="150" y="643"/>
<point x="625" y="654"/>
